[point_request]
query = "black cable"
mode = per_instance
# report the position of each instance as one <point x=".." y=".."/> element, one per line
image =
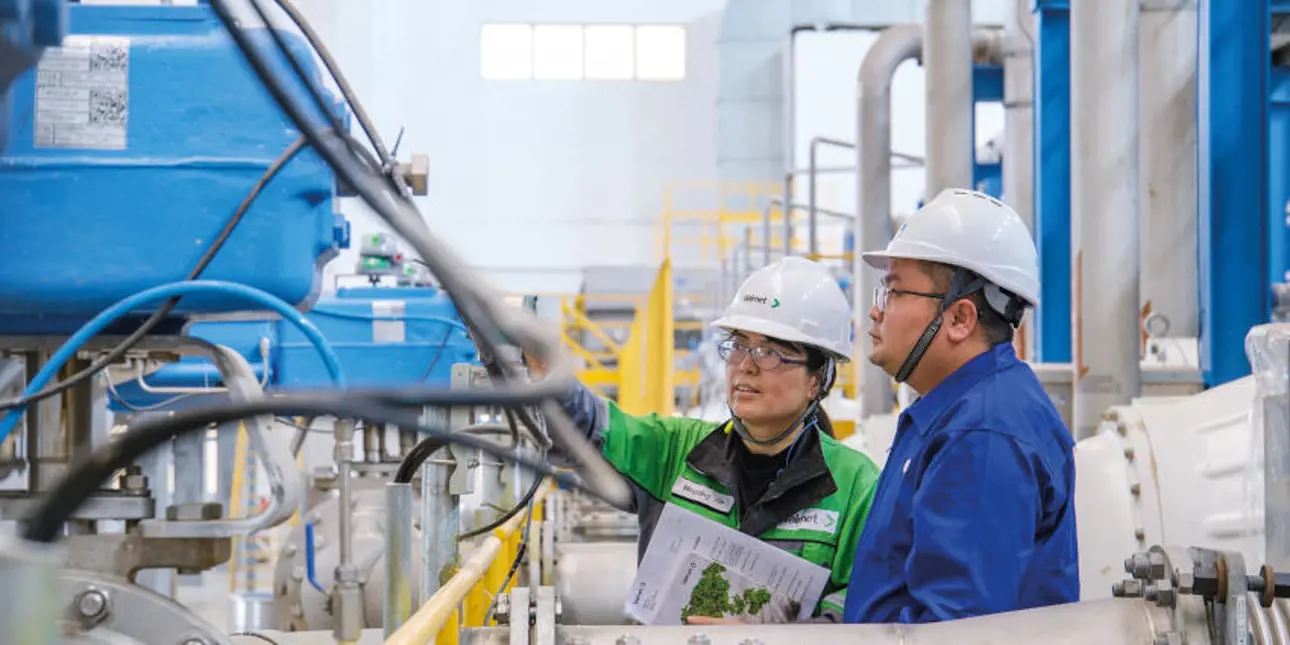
<point x="345" y="90"/>
<point x="84" y="479"/>
<point x="426" y="447"/>
<point x="471" y="294"/>
<point x="409" y="225"/>
<point x="159" y="315"/>
<point x="505" y="517"/>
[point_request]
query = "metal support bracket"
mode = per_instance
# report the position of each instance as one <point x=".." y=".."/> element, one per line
<point x="285" y="484"/>
<point x="521" y="612"/>
<point x="545" y="616"/>
<point x="124" y="555"/>
<point x="462" y="480"/>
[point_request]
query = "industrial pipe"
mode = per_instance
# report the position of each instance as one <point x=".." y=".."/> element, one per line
<point x="1019" y="111"/>
<point x="1019" y="126"/>
<point x="813" y="238"/>
<point x="440" y="520"/>
<point x="873" y="223"/>
<point x="873" y="190"/>
<point x="1167" y="189"/>
<point x="1104" y="208"/>
<point x="947" y="59"/>
<point x="398" y="556"/>
<point x="347" y="596"/>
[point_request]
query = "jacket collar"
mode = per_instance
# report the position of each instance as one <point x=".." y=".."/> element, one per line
<point x="924" y="412"/>
<point x="804" y="481"/>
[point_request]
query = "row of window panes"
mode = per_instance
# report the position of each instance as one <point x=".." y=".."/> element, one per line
<point x="574" y="52"/>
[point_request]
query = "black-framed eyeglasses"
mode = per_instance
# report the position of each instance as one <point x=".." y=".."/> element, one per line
<point x="882" y="293"/>
<point x="767" y="358"/>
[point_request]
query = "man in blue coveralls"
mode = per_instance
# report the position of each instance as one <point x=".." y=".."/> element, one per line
<point x="975" y="509"/>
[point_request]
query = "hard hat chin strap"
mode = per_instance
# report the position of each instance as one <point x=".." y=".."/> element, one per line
<point x="963" y="285"/>
<point x="826" y="383"/>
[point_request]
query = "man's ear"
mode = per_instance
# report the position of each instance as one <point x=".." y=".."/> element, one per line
<point x="961" y="320"/>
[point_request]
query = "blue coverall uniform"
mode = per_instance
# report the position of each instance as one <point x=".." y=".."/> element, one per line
<point x="975" y="508"/>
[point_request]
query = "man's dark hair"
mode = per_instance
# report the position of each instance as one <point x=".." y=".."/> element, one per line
<point x="996" y="329"/>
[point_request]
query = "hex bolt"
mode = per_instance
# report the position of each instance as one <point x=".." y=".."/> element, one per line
<point x="1138" y="566"/>
<point x="502" y="612"/>
<point x="92" y="604"/>
<point x="1157" y="568"/>
<point x="1127" y="589"/>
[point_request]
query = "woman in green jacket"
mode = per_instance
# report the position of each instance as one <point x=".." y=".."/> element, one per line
<point x="773" y="470"/>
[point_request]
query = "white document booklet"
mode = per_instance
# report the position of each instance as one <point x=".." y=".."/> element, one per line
<point x="697" y="567"/>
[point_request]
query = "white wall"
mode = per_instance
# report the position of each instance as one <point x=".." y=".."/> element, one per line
<point x="529" y="180"/>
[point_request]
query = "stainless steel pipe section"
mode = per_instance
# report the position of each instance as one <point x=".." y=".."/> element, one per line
<point x="398" y="556"/>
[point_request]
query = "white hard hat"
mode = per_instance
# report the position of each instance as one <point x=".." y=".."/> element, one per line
<point x="970" y="230"/>
<point x="793" y="300"/>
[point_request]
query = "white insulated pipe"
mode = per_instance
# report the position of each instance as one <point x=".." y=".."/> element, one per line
<point x="947" y="59"/>
<point x="873" y="191"/>
<point x="1167" y="86"/>
<point x="1019" y="111"/>
<point x="1104" y="208"/>
<point x="1019" y="125"/>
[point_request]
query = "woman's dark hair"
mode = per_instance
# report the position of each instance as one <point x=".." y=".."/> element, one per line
<point x="816" y="362"/>
<point x="823" y="422"/>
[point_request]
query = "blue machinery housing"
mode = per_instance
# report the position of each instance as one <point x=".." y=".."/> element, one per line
<point x="383" y="336"/>
<point x="131" y="155"/>
<point x="1243" y="131"/>
<point x="129" y="149"/>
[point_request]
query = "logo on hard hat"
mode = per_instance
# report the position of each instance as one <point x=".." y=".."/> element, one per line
<point x="761" y="300"/>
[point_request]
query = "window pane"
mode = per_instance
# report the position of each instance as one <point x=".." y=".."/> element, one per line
<point x="610" y="52"/>
<point x="506" y="52"/>
<point x="557" y="51"/>
<point x="660" y="53"/>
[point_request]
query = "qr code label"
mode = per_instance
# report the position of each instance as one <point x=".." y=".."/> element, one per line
<point x="107" y="106"/>
<point x="83" y="94"/>
<point x="108" y="56"/>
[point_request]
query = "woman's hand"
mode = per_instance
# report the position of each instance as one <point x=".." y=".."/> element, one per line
<point x="705" y="620"/>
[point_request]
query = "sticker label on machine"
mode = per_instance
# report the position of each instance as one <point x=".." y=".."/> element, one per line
<point x="83" y="94"/>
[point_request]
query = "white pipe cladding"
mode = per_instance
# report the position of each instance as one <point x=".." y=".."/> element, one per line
<point x="1167" y="84"/>
<point x="947" y="57"/>
<point x="1018" y="125"/>
<point x="1104" y="208"/>
<point x="873" y="193"/>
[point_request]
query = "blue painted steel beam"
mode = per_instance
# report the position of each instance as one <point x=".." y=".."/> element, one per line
<point x="1052" y="177"/>
<point x="1278" y="176"/>
<point x="1232" y="137"/>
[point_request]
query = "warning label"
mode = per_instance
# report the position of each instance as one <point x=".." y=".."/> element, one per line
<point x="83" y="94"/>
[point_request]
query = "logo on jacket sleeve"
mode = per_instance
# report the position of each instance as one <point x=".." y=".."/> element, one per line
<point x="702" y="495"/>
<point x="812" y="519"/>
